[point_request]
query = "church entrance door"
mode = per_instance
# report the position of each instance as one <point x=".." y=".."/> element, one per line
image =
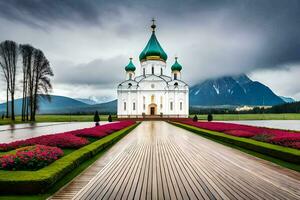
<point x="152" y="111"/>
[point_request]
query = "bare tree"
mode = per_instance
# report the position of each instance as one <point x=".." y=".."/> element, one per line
<point x="9" y="56"/>
<point x="42" y="84"/>
<point x="27" y="52"/>
<point x="4" y="66"/>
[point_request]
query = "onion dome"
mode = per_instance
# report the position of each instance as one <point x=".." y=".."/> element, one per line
<point x="176" y="66"/>
<point x="153" y="50"/>
<point x="130" y="66"/>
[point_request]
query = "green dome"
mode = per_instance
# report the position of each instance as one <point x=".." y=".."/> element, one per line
<point x="153" y="49"/>
<point x="130" y="66"/>
<point x="176" y="66"/>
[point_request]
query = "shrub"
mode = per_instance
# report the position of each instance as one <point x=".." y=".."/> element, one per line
<point x="195" y="118"/>
<point x="96" y="118"/>
<point x="109" y="119"/>
<point x="209" y="117"/>
<point x="30" y="158"/>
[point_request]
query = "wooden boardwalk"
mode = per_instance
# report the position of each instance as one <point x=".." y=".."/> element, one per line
<point x="160" y="161"/>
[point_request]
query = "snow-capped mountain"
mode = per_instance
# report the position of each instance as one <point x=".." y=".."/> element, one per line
<point x="232" y="90"/>
<point x="92" y="100"/>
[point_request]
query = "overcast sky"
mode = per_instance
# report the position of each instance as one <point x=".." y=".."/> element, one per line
<point x="88" y="43"/>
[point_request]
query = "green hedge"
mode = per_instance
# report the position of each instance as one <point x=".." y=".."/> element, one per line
<point x="35" y="182"/>
<point x="276" y="151"/>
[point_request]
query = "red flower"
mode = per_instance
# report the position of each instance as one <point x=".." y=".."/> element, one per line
<point x="275" y="136"/>
<point x="32" y="157"/>
<point x="71" y="139"/>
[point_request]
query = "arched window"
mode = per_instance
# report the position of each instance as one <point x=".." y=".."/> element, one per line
<point x="124" y="106"/>
<point x="144" y="102"/>
<point x="161" y="102"/>
<point x="180" y="105"/>
<point x="171" y="105"/>
<point x="130" y="76"/>
<point x="144" y="72"/>
<point x="152" y="69"/>
<point x="133" y="106"/>
<point x="175" y="76"/>
<point x="161" y="71"/>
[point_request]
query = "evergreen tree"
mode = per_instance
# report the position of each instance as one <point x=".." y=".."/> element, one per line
<point x="209" y="117"/>
<point x="96" y="118"/>
<point x="195" y="118"/>
<point x="109" y="118"/>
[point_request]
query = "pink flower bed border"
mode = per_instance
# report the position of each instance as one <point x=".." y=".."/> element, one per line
<point x="274" y="136"/>
<point x="71" y="139"/>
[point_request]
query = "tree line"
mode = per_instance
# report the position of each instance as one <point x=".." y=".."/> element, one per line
<point x="33" y="68"/>
<point x="293" y="107"/>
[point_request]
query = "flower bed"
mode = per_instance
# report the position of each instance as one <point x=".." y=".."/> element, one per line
<point x="102" y="131"/>
<point x="62" y="140"/>
<point x="39" y="181"/>
<point x="274" y="136"/>
<point x="71" y="139"/>
<point x="30" y="158"/>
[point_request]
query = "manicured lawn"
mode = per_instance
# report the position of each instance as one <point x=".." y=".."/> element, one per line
<point x="57" y="118"/>
<point x="284" y="156"/>
<point x="231" y="117"/>
<point x="220" y="117"/>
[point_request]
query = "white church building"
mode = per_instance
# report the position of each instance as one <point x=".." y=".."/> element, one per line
<point x="153" y="93"/>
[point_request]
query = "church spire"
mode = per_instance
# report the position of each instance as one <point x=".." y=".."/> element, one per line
<point x="153" y="26"/>
<point x="176" y="66"/>
<point x="153" y="50"/>
<point x="130" y="66"/>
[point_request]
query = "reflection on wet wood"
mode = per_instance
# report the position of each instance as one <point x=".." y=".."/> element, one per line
<point x="160" y="161"/>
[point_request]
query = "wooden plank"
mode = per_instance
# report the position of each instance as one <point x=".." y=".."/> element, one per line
<point x="160" y="161"/>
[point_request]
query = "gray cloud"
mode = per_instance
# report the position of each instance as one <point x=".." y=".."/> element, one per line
<point x="39" y="13"/>
<point x="88" y="42"/>
<point x="99" y="72"/>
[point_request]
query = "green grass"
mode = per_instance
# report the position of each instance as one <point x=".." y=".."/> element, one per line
<point x="89" y="118"/>
<point x="233" y="117"/>
<point x="49" y="179"/>
<point x="283" y="156"/>
<point x="56" y="118"/>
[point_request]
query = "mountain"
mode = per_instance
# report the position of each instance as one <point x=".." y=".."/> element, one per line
<point x="65" y="105"/>
<point x="287" y="99"/>
<point x="87" y="101"/>
<point x="92" y="100"/>
<point x="232" y="90"/>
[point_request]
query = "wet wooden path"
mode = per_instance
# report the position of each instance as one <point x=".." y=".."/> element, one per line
<point x="160" y="161"/>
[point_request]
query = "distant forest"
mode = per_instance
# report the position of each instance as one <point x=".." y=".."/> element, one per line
<point x="293" y="107"/>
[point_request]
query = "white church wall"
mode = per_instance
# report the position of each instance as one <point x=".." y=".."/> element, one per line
<point x="156" y="64"/>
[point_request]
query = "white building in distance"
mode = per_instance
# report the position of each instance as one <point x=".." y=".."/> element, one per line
<point x="153" y="93"/>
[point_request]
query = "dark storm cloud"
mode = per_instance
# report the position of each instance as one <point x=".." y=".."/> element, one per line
<point x="211" y="37"/>
<point x="277" y="20"/>
<point x="41" y="12"/>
